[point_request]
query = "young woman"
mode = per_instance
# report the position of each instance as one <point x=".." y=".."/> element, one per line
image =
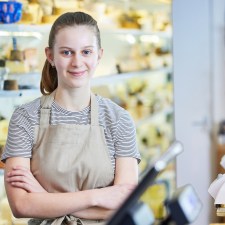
<point x="70" y="155"/>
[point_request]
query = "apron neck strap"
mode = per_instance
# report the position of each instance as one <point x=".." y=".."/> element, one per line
<point x="94" y="110"/>
<point x="46" y="103"/>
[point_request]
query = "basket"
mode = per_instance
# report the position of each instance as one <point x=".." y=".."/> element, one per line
<point x="10" y="11"/>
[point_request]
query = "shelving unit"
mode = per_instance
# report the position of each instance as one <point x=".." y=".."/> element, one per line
<point x="154" y="129"/>
<point x="121" y="40"/>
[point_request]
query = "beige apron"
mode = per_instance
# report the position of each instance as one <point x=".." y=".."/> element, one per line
<point x="69" y="158"/>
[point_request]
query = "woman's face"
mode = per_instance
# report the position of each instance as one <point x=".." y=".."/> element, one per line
<point x="75" y="56"/>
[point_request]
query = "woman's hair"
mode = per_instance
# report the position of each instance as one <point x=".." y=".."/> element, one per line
<point x="49" y="79"/>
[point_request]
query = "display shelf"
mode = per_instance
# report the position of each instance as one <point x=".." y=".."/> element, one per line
<point x="96" y="81"/>
<point x="19" y="93"/>
<point x="25" y="75"/>
<point x="114" y="78"/>
<point x="31" y="29"/>
<point x="21" y="28"/>
<point x="29" y="81"/>
<point x="135" y="32"/>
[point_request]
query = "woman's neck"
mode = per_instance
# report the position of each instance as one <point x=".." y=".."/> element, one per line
<point x="75" y="100"/>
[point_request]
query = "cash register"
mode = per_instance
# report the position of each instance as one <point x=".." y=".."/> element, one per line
<point x="183" y="207"/>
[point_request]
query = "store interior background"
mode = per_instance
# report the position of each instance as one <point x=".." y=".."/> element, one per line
<point x="199" y="94"/>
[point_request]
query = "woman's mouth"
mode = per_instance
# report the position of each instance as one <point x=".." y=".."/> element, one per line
<point x="76" y="73"/>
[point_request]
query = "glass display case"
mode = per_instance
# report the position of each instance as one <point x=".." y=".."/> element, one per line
<point x="135" y="72"/>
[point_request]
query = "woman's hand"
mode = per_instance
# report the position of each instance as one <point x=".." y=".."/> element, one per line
<point x="107" y="201"/>
<point x="21" y="177"/>
<point x="112" y="197"/>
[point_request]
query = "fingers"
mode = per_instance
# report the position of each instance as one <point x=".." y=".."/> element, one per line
<point x="19" y="181"/>
<point x="20" y="170"/>
<point x="22" y="177"/>
<point x="16" y="178"/>
<point x="18" y="175"/>
<point x="19" y="178"/>
<point x="22" y="185"/>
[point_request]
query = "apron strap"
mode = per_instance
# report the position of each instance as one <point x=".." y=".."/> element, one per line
<point x="46" y="103"/>
<point x="94" y="110"/>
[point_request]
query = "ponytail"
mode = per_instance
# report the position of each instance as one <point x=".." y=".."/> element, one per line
<point x="49" y="79"/>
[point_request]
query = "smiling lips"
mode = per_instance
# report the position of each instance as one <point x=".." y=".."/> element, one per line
<point x="76" y="73"/>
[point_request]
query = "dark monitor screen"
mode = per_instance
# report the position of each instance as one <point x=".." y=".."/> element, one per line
<point x="147" y="179"/>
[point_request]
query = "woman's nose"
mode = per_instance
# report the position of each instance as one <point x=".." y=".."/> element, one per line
<point x="76" y="60"/>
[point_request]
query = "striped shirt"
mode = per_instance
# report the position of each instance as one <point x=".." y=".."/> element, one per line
<point x="119" y="128"/>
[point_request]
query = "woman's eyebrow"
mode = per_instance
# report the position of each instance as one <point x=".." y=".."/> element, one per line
<point x="88" y="46"/>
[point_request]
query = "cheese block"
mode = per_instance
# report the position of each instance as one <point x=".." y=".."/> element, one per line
<point x="16" y="55"/>
<point x="27" y="18"/>
<point x="17" y="66"/>
<point x="32" y="13"/>
<point x="49" y="18"/>
<point x="10" y="85"/>
<point x="4" y="124"/>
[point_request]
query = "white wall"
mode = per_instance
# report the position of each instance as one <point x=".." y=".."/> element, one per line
<point x="193" y="92"/>
<point x="218" y="33"/>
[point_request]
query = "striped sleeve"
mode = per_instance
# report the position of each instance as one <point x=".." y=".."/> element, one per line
<point x="126" y="143"/>
<point x="19" y="141"/>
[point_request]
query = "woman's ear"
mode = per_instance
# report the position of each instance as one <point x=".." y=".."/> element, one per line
<point x="100" y="53"/>
<point x="49" y="55"/>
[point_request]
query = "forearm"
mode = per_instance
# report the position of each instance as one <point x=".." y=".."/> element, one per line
<point x="49" y="205"/>
<point x="28" y="199"/>
<point x="94" y="213"/>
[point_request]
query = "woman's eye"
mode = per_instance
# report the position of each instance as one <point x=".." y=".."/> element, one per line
<point x="67" y="52"/>
<point x="86" y="52"/>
